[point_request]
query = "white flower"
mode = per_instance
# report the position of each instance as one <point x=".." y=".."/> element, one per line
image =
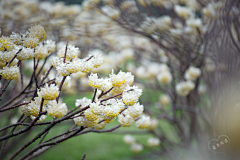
<point x="135" y="110"/>
<point x="125" y="121"/>
<point x="62" y="69"/>
<point x="10" y="73"/>
<point x="127" y="53"/>
<point x="87" y="66"/>
<point x="83" y="102"/>
<point x="192" y="73"/>
<point x="163" y="23"/>
<point x="131" y="94"/>
<point x="97" y="58"/>
<point x="67" y="81"/>
<point x="50" y="45"/>
<point x="144" y="122"/>
<point x="55" y="61"/>
<point x="26" y="53"/>
<point x="141" y="72"/>
<point x="101" y="84"/>
<point x="74" y="66"/>
<point x="101" y="125"/>
<point x="117" y="80"/>
<point x="49" y="92"/>
<point x="90" y="115"/>
<point x="153" y="142"/>
<point x="164" y="77"/>
<point x="202" y="89"/>
<point x="194" y="23"/>
<point x="183" y="12"/>
<point x="136" y="147"/>
<point x="184" y="88"/>
<point x="111" y="12"/>
<point x="83" y="121"/>
<point x="72" y="52"/>
<point x="165" y="99"/>
<point x="129" y="139"/>
<point x="6" y="56"/>
<point x="56" y="110"/>
<point x="154" y="124"/>
<point x="97" y="108"/>
<point x="41" y="52"/>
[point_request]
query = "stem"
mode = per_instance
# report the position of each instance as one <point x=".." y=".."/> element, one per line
<point x="14" y="56"/>
<point x="5" y="109"/>
<point x="4" y="88"/>
<point x="60" y="87"/>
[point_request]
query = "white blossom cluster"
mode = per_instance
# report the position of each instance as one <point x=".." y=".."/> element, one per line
<point x="18" y="47"/>
<point x="109" y="109"/>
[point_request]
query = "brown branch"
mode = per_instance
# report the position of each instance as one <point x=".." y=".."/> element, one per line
<point x="14" y="56"/>
<point x="60" y="87"/>
<point x="5" y="109"/>
<point x="4" y="88"/>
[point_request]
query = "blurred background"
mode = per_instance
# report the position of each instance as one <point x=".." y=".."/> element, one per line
<point x="184" y="54"/>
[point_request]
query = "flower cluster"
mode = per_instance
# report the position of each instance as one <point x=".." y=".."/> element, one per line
<point x="18" y="47"/>
<point x="108" y="109"/>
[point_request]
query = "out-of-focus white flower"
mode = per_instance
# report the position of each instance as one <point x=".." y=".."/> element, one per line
<point x="144" y="122"/>
<point x="136" y="147"/>
<point x="194" y="23"/>
<point x="163" y="23"/>
<point x="202" y="89"/>
<point x="141" y="72"/>
<point x="183" y="12"/>
<point x="109" y="2"/>
<point x="165" y="99"/>
<point x="111" y="12"/>
<point x="153" y="69"/>
<point x="50" y="45"/>
<point x="127" y="53"/>
<point x="153" y="124"/>
<point x="125" y="5"/>
<point x="129" y="139"/>
<point x="184" y="88"/>
<point x="38" y="32"/>
<point x="153" y="142"/>
<point x="97" y="57"/>
<point x="72" y="52"/>
<point x="164" y="77"/>
<point x="192" y="73"/>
